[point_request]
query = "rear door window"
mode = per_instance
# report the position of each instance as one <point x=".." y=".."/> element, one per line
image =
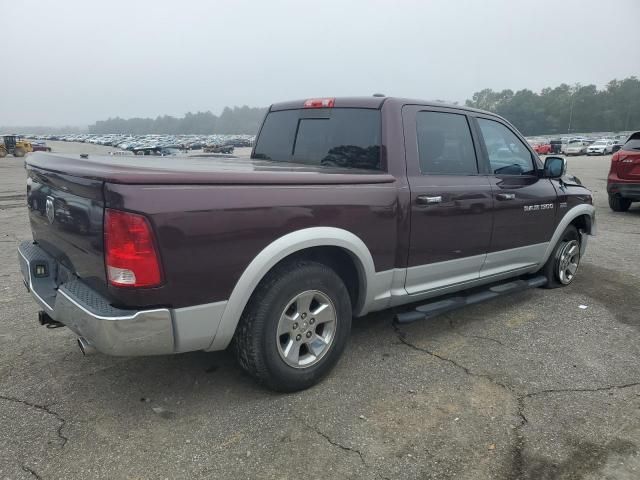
<point x="332" y="137"/>
<point x="444" y="144"/>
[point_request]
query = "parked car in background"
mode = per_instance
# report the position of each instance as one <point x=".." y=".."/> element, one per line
<point x="623" y="182"/>
<point x="576" y="147"/>
<point x="617" y="145"/>
<point x="600" y="147"/>
<point x="157" y="151"/>
<point x="218" y="148"/>
<point x="542" y="148"/>
<point x="556" y="146"/>
<point x="40" y="147"/>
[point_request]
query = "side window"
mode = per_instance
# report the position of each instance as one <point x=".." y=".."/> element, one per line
<point x="444" y="144"/>
<point x="507" y="154"/>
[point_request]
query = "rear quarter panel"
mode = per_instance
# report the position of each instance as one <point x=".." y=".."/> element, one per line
<point x="208" y="234"/>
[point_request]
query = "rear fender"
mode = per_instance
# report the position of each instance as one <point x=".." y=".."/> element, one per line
<point x="279" y="250"/>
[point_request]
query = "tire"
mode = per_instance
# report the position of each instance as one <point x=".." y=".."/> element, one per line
<point x="618" y="203"/>
<point x="563" y="263"/>
<point x="18" y="152"/>
<point x="3" y="153"/>
<point x="280" y="299"/>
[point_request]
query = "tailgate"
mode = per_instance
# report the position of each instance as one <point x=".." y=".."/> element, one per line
<point x="629" y="165"/>
<point x="66" y="214"/>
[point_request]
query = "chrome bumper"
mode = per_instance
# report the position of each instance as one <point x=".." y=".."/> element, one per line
<point x="110" y="330"/>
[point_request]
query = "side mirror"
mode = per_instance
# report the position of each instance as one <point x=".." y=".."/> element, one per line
<point x="555" y="167"/>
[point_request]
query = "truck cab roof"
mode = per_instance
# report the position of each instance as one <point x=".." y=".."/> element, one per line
<point x="372" y="102"/>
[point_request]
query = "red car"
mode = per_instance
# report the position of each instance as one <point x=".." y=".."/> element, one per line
<point x="542" y="149"/>
<point x="623" y="183"/>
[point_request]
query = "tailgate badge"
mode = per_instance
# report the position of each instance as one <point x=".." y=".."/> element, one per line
<point x="51" y="211"/>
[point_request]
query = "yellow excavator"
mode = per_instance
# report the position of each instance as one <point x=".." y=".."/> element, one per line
<point x="14" y="145"/>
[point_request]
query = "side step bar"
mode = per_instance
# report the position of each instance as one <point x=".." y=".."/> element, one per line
<point x="429" y="310"/>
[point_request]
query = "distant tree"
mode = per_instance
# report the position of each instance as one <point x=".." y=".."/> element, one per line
<point x="236" y="120"/>
<point x="566" y="109"/>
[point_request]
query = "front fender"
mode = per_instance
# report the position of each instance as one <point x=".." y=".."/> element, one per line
<point x="570" y="216"/>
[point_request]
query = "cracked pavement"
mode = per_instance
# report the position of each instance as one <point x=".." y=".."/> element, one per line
<point x="528" y="386"/>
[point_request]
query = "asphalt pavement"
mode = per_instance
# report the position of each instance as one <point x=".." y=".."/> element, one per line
<point x="543" y="384"/>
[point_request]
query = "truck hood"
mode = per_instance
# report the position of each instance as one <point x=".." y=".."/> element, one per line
<point x="198" y="169"/>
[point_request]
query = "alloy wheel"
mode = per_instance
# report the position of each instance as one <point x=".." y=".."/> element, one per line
<point x="306" y="329"/>
<point x="568" y="261"/>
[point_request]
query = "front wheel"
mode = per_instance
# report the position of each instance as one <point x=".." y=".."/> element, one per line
<point x="563" y="263"/>
<point x="295" y="327"/>
<point x="18" y="152"/>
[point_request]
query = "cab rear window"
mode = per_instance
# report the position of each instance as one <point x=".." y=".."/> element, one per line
<point x="332" y="137"/>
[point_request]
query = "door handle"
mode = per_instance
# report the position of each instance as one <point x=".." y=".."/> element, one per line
<point x="506" y="196"/>
<point x="426" y="200"/>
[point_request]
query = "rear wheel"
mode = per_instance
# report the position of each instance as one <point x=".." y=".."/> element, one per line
<point x="619" y="204"/>
<point x="563" y="263"/>
<point x="295" y="327"/>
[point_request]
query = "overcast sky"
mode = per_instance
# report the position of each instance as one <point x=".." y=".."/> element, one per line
<point x="71" y="62"/>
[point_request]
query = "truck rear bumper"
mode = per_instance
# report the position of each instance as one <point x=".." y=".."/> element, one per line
<point x="109" y="330"/>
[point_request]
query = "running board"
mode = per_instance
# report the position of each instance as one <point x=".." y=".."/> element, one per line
<point x="429" y="310"/>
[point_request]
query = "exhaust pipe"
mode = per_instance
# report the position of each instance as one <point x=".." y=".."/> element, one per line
<point x="85" y="347"/>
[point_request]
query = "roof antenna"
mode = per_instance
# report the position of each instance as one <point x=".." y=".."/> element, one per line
<point x="379" y="95"/>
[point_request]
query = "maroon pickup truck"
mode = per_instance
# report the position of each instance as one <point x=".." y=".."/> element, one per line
<point x="346" y="206"/>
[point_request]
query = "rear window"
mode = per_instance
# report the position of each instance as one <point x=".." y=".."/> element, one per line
<point x="633" y="143"/>
<point x="332" y="137"/>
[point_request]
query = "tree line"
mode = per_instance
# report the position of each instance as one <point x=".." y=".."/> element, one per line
<point x="236" y="120"/>
<point x="566" y="108"/>
<point x="563" y="109"/>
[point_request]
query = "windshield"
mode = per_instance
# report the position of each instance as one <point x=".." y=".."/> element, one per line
<point x="600" y="142"/>
<point x="333" y="137"/>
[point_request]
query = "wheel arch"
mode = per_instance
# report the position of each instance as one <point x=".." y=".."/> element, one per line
<point x="585" y="223"/>
<point x="319" y="243"/>
<point x="583" y="214"/>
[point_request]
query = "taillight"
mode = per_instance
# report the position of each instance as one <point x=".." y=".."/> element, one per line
<point x="320" y="103"/>
<point x="130" y="255"/>
<point x="615" y="157"/>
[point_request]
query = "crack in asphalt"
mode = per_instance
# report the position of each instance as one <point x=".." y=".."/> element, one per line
<point x="578" y="390"/>
<point x="341" y="446"/>
<point x="336" y="444"/>
<point x="31" y="471"/>
<point x="518" y="463"/>
<point x="479" y="337"/>
<point x="42" y="408"/>
<point x="402" y="337"/>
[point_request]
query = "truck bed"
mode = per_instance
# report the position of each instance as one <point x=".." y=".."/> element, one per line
<point x="200" y="170"/>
